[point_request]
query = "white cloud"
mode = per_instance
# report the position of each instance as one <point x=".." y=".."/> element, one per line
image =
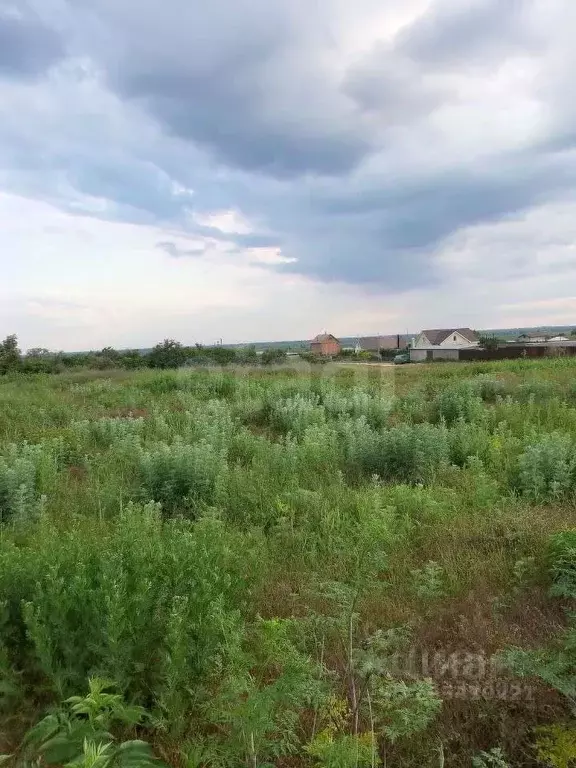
<point x="229" y="222"/>
<point x="74" y="282"/>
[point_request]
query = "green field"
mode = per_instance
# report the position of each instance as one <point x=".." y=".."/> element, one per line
<point x="335" y="568"/>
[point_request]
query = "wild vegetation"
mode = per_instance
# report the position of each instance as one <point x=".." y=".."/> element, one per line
<point x="165" y="355"/>
<point x="326" y="567"/>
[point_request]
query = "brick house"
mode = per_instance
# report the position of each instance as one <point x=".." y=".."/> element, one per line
<point x="325" y="345"/>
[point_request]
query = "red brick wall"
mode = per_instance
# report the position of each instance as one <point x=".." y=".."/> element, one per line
<point x="325" y="348"/>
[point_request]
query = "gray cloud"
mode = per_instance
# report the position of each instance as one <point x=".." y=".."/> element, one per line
<point x="253" y="91"/>
<point x="466" y="31"/>
<point x="28" y="47"/>
<point x="176" y="252"/>
<point x="393" y="86"/>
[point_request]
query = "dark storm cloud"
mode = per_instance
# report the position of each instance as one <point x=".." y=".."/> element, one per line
<point x="384" y="236"/>
<point x="242" y="79"/>
<point x="28" y="47"/>
<point x="222" y="110"/>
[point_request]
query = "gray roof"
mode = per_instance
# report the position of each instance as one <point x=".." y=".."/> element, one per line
<point x="370" y="342"/>
<point x="382" y="342"/>
<point x="438" y="335"/>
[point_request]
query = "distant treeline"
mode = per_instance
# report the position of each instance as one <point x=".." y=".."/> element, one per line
<point x="166" y="354"/>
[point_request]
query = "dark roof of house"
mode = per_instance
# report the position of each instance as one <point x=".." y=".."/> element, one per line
<point x="438" y="335"/>
<point x="534" y="335"/>
<point x="324" y="337"/>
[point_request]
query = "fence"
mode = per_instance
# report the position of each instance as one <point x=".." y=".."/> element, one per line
<point x="514" y="351"/>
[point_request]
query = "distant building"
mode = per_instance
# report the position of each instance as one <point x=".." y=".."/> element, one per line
<point x="558" y="338"/>
<point x="325" y="345"/>
<point x="378" y="344"/>
<point x="533" y="338"/>
<point x="442" y="343"/>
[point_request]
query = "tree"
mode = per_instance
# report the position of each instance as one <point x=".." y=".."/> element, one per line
<point x="270" y="356"/>
<point x="106" y="358"/>
<point x="132" y="359"/>
<point x="167" y="354"/>
<point x="36" y="352"/>
<point x="248" y="355"/>
<point x="10" y="357"/>
<point x="109" y="353"/>
<point x="221" y="355"/>
<point x="489" y="341"/>
<point x="39" y="360"/>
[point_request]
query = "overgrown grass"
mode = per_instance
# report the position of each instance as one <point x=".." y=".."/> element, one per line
<point x="247" y="554"/>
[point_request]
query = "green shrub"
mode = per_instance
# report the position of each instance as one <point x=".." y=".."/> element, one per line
<point x="344" y="750"/>
<point x="17" y="489"/>
<point x="489" y="389"/>
<point x="413" y="407"/>
<point x="295" y="414"/>
<point x="408" y="453"/>
<point x="374" y="408"/>
<point x="102" y="433"/>
<point x="546" y="468"/>
<point x="466" y="440"/>
<point x="180" y="476"/>
<point x="562" y="564"/>
<point x="455" y="403"/>
<point x="537" y="390"/>
<point x="145" y="603"/>
<point x="429" y="581"/>
<point x="22" y="470"/>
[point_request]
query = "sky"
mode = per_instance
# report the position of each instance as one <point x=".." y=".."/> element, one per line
<point x="269" y="169"/>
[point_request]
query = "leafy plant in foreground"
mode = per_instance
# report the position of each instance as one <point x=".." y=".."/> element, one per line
<point x="79" y="734"/>
<point x="266" y="687"/>
<point x="379" y="702"/>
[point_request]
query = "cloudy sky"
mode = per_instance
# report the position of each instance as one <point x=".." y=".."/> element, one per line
<point x="267" y="169"/>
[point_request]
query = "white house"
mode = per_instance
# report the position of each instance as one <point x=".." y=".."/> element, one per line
<point x="447" y="337"/>
<point x="442" y="343"/>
